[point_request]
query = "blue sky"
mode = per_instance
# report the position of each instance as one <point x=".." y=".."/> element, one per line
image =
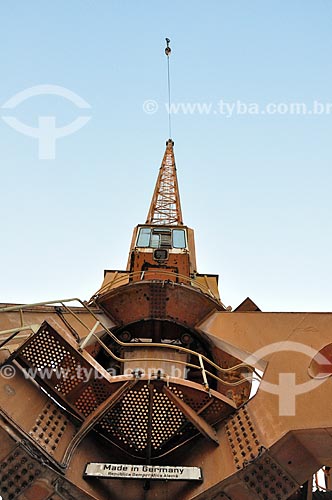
<point x="255" y="187"/>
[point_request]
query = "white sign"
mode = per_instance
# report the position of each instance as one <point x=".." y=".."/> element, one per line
<point x="126" y="471"/>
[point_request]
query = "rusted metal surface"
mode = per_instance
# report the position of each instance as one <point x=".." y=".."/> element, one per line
<point x="242" y="439"/>
<point x="96" y="416"/>
<point x="293" y="455"/>
<point x="60" y="367"/>
<point x="203" y="427"/>
<point x="176" y="302"/>
<point x="95" y="384"/>
<point x="26" y="320"/>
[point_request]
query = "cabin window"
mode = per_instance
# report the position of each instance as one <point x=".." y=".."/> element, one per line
<point x="154" y="240"/>
<point x="165" y="237"/>
<point x="144" y="237"/>
<point x="161" y="237"/>
<point x="179" y="238"/>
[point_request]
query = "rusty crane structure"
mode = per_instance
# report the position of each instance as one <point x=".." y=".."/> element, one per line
<point x="154" y="390"/>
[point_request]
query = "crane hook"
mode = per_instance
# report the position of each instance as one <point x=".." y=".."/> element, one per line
<point x="168" y="48"/>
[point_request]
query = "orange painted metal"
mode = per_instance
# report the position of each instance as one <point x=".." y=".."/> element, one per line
<point x="165" y="206"/>
<point x="155" y="370"/>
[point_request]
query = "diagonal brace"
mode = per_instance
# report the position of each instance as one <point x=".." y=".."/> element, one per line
<point x="95" y="416"/>
<point x="201" y="425"/>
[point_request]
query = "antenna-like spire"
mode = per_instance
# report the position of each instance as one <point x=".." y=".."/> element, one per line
<point x="165" y="206"/>
<point x="168" y="51"/>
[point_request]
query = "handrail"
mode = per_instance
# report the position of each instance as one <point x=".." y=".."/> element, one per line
<point x="178" y="362"/>
<point x="202" y="357"/>
<point x="18" y="307"/>
<point x="12" y="332"/>
<point x="118" y="341"/>
<point x="124" y="277"/>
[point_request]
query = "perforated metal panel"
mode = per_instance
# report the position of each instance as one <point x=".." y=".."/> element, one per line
<point x="59" y="366"/>
<point x="196" y="403"/>
<point x="51" y="360"/>
<point x="17" y="472"/>
<point x="50" y="427"/>
<point x="92" y="397"/>
<point x="128" y="421"/>
<point x="268" y="479"/>
<point x="62" y="370"/>
<point x="214" y="412"/>
<point x="167" y="420"/>
<point x="242" y="437"/>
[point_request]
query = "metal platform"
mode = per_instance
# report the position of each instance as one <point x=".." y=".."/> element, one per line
<point x="142" y="415"/>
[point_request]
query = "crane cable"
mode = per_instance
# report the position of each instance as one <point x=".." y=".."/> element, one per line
<point x="167" y="52"/>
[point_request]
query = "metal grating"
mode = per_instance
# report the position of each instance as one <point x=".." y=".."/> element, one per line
<point x="195" y="403"/>
<point x="51" y="359"/>
<point x="92" y="397"/>
<point x="242" y="437"/>
<point x="17" y="472"/>
<point x="75" y="383"/>
<point x="268" y="479"/>
<point x="49" y="428"/>
<point x="127" y="422"/>
<point x="59" y="366"/>
<point x="167" y="420"/>
<point x="214" y="412"/>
